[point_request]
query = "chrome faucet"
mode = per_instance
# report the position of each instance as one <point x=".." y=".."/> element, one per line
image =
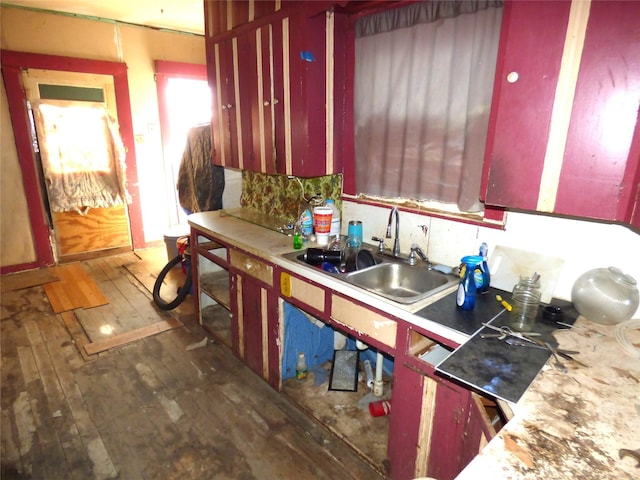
<point x="396" y="240"/>
<point x="417" y="251"/>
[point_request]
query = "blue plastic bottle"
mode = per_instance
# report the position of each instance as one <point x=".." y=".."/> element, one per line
<point x="466" y="297"/>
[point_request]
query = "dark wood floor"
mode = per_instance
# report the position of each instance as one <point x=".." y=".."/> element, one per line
<point x="164" y="407"/>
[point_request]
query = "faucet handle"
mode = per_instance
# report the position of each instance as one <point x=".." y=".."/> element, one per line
<point x="415" y="249"/>
<point x="380" y="243"/>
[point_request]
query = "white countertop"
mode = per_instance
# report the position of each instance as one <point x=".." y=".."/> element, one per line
<point x="566" y="426"/>
<point x="271" y="245"/>
<point x="571" y="426"/>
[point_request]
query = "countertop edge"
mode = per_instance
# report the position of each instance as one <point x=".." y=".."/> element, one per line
<point x="271" y="246"/>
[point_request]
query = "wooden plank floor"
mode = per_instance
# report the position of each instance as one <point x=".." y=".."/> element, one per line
<point x="153" y="409"/>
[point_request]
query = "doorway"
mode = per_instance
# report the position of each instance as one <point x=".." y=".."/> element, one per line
<point x="184" y="101"/>
<point x="12" y="64"/>
<point x="80" y="156"/>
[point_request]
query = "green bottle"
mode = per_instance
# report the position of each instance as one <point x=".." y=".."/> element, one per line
<point x="298" y="241"/>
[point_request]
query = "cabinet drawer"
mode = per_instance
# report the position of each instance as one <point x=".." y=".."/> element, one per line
<point x="252" y="267"/>
<point x="364" y="320"/>
<point x="302" y="291"/>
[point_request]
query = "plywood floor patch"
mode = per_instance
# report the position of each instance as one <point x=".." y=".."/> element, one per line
<point x="74" y="290"/>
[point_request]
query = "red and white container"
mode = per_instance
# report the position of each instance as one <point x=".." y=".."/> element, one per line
<point x="322" y="224"/>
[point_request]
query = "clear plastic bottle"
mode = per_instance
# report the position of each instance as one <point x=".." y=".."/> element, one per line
<point x="301" y="366"/>
<point x="335" y="218"/>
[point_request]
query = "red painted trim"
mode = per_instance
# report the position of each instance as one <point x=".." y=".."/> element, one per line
<point x="19" y="60"/>
<point x="180" y="69"/>
<point x="123" y="103"/>
<point x="30" y="178"/>
<point x="340" y="119"/>
<point x="21" y="267"/>
<point x="67" y="64"/>
<point x="630" y="197"/>
<point x="491" y="213"/>
<point x="273" y="338"/>
<point x="278" y="85"/>
<point x="349" y="155"/>
<point x="493" y="114"/>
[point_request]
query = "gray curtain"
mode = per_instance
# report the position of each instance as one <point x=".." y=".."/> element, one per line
<point x="423" y="86"/>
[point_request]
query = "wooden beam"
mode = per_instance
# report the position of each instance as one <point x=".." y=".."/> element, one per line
<point x="18" y="281"/>
<point x="132" y="336"/>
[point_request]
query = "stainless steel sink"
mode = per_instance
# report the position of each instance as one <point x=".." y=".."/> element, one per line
<point x="391" y="278"/>
<point x="401" y="282"/>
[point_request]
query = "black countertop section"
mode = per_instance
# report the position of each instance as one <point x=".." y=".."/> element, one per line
<point x="489" y="364"/>
<point x="446" y="312"/>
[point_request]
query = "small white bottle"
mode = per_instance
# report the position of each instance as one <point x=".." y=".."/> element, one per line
<point x="335" y="218"/>
<point x="301" y="367"/>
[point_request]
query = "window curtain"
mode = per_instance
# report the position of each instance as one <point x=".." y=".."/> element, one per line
<point x="423" y="87"/>
<point x="82" y="156"/>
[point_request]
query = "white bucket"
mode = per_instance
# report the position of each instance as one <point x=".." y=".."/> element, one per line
<point x="172" y="236"/>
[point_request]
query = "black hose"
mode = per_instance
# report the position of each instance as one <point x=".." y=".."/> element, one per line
<point x="182" y="291"/>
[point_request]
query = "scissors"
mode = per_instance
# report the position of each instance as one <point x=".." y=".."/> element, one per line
<point x="508" y="332"/>
<point x="505" y="332"/>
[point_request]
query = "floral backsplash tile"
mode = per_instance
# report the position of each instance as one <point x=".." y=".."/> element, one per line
<point x="281" y="196"/>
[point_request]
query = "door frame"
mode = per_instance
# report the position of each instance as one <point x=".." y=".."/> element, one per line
<point x="164" y="72"/>
<point x="12" y="63"/>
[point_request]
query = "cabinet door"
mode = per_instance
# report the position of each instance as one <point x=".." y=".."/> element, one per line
<point x="258" y="93"/>
<point x="529" y="59"/>
<point x="249" y="111"/>
<point x="257" y="328"/>
<point x="274" y="102"/>
<point x="310" y="43"/>
<point x="565" y="110"/>
<point x="597" y="177"/>
<point x="222" y="70"/>
<point x="255" y="310"/>
<point x="425" y="436"/>
<point x="252" y="324"/>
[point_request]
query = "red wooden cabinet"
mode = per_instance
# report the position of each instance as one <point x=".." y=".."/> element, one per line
<point x="224" y="15"/>
<point x="435" y="429"/>
<point x="225" y="103"/>
<point x="254" y="306"/>
<point x="563" y="133"/>
<point x="274" y="94"/>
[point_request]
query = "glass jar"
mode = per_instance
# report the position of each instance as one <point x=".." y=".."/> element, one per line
<point x="525" y="302"/>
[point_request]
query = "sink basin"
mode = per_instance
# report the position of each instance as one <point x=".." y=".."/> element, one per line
<point x="400" y="282"/>
<point x="391" y="279"/>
